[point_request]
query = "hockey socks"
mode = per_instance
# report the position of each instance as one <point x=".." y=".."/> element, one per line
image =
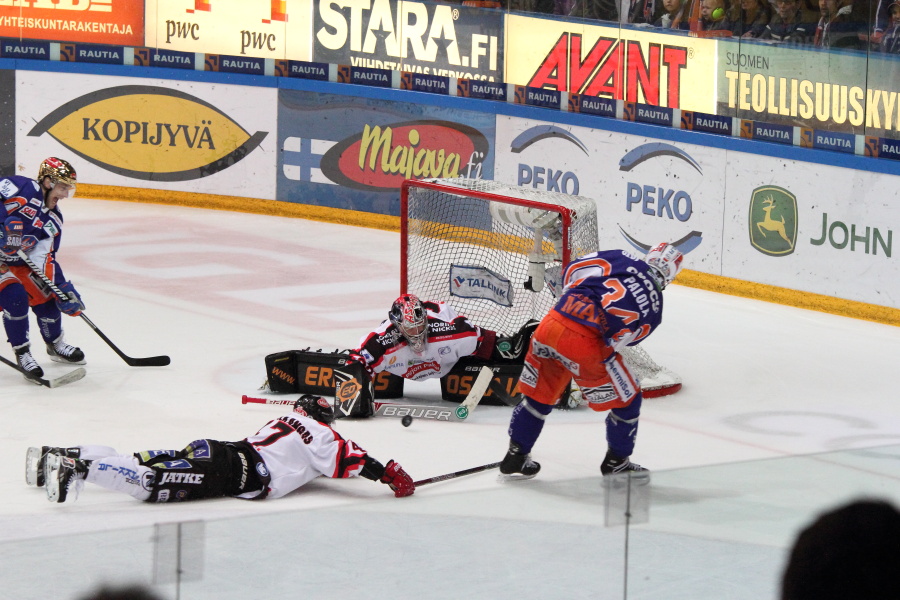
<point x="122" y="474"/>
<point x="621" y="428"/>
<point x="14" y="302"/>
<point x="527" y="422"/>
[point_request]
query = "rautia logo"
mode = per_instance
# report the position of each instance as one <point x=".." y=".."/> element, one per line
<point x="149" y="133"/>
<point x="773" y="220"/>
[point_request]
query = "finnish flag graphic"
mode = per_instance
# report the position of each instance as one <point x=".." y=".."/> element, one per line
<point x="302" y="158"/>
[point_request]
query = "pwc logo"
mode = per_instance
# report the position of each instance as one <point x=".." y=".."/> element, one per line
<point x="149" y="133"/>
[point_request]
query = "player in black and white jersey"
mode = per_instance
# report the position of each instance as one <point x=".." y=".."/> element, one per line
<point x="284" y="455"/>
<point x="422" y="340"/>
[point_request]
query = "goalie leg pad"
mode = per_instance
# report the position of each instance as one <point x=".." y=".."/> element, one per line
<point x="353" y="392"/>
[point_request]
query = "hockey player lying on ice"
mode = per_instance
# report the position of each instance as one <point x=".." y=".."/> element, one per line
<point x="284" y="455"/>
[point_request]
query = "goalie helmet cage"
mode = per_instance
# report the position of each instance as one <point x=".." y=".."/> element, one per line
<point x="495" y="252"/>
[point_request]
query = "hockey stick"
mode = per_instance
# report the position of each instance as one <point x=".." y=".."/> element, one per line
<point x="456" y="474"/>
<point x="73" y="375"/>
<point x="151" y="361"/>
<point x="387" y="409"/>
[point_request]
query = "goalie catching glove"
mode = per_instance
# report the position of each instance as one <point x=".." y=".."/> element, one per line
<point x="398" y="480"/>
<point x="514" y="348"/>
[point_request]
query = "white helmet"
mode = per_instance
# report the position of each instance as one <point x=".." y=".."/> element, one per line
<point x="664" y="261"/>
<point x="408" y="315"/>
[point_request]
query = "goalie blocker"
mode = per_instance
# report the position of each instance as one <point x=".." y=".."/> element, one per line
<point x="331" y="374"/>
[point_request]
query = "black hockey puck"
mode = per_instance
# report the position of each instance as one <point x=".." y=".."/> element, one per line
<point x="407" y="421"/>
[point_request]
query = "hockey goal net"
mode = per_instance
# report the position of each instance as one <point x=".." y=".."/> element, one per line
<point x="495" y="252"/>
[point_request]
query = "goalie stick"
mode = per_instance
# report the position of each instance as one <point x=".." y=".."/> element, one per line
<point x="73" y="375"/>
<point x="456" y="474"/>
<point x="150" y="361"/>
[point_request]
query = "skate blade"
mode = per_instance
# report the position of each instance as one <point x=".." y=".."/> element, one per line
<point x="51" y="477"/>
<point x="65" y="361"/>
<point x="503" y="477"/>
<point x="33" y="466"/>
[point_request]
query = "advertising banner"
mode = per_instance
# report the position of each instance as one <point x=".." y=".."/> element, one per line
<point x="429" y="38"/>
<point x="117" y="22"/>
<point x="7" y="122"/>
<point x="352" y="152"/>
<point x="657" y="69"/>
<point x="263" y="28"/>
<point x="138" y="132"/>
<point x="800" y="226"/>
<point x="647" y="191"/>
<point x="837" y="91"/>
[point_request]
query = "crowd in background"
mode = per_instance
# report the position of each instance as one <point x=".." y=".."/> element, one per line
<point x="868" y="25"/>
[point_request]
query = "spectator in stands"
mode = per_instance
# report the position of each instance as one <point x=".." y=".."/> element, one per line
<point x="850" y="552"/>
<point x="714" y="15"/>
<point x="672" y="14"/>
<point x="890" y="40"/>
<point x="838" y="26"/>
<point x="531" y="6"/>
<point x="749" y="18"/>
<point x="645" y="11"/>
<point x="882" y="21"/>
<point x="791" y="23"/>
<point x="600" y="10"/>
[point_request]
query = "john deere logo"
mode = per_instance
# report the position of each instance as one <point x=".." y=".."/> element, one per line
<point x="773" y="220"/>
<point x="151" y="133"/>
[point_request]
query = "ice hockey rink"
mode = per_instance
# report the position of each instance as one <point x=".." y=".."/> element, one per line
<point x="784" y="413"/>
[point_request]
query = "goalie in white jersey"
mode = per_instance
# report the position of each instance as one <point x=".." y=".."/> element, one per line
<point x="284" y="455"/>
<point x="422" y="340"/>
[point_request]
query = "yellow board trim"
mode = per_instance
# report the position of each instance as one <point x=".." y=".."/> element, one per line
<point x="688" y="278"/>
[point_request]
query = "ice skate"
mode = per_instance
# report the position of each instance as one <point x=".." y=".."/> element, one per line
<point x="32" y="370"/>
<point x="62" y="352"/>
<point x="617" y="465"/>
<point x="34" y="462"/>
<point x="516" y="465"/>
<point x="63" y="476"/>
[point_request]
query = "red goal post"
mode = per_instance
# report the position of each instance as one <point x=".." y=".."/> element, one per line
<point x="495" y="252"/>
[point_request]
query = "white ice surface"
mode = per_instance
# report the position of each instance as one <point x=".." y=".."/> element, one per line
<point x="217" y="291"/>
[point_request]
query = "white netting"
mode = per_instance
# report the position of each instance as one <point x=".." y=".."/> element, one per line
<point x="459" y="231"/>
<point x="476" y="230"/>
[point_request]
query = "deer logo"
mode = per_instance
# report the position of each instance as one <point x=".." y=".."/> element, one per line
<point x="773" y="220"/>
<point x="770" y="224"/>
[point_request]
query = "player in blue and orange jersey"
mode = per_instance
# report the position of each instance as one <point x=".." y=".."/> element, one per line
<point x="33" y="223"/>
<point x="610" y="300"/>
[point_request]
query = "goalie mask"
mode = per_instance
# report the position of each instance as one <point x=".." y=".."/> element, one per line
<point x="408" y="316"/>
<point x="664" y="261"/>
<point x="315" y="407"/>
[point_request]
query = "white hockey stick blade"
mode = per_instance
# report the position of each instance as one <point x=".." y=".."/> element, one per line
<point x="479" y="388"/>
<point x="73" y="375"/>
<point x="417" y="411"/>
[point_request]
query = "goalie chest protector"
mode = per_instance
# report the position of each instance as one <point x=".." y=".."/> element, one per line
<point x="312" y="372"/>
